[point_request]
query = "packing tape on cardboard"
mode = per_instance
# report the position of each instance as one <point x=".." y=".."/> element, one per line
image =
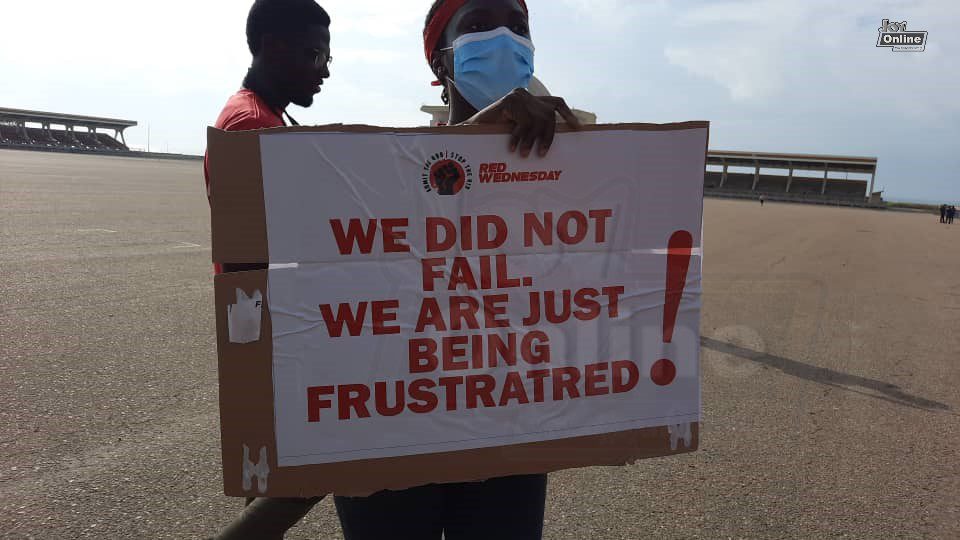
<point x="260" y="470"/>
<point x="243" y="317"/>
<point x="678" y="433"/>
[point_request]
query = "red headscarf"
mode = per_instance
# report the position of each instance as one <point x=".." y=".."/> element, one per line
<point x="434" y="31"/>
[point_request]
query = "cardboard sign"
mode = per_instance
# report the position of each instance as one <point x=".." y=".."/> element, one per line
<point x="437" y="309"/>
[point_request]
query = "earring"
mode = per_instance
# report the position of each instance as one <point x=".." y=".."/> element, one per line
<point x="441" y="73"/>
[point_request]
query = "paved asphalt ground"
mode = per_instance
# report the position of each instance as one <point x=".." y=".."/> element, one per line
<point x="831" y="369"/>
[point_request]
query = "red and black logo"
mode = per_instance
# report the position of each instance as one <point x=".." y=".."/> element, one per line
<point x="447" y="173"/>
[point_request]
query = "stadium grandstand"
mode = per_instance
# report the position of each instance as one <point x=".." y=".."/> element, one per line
<point x="792" y="177"/>
<point x="39" y="130"/>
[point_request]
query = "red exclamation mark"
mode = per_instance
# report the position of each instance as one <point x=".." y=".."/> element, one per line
<point x="678" y="261"/>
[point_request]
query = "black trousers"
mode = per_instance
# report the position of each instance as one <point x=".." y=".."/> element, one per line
<point x="509" y="508"/>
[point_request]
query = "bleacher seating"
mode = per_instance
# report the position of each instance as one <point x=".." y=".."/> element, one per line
<point x="789" y="177"/>
<point x="847" y="188"/>
<point x="774" y="187"/>
<point x="738" y="182"/>
<point x="61" y="137"/>
<point x="13" y="135"/>
<point x="39" y="138"/>
<point x="711" y="180"/>
<point x="772" y="183"/>
<point x="38" y="130"/>
<point x="7" y="133"/>
<point x="109" y="142"/>
<point x="65" y="138"/>
<point x="806" y="185"/>
<point x="89" y="140"/>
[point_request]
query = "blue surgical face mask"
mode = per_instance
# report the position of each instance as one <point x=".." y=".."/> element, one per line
<point x="489" y="65"/>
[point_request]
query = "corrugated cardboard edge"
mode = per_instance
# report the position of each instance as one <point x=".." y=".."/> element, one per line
<point x="238" y="220"/>
<point x="246" y="381"/>
<point x="246" y="371"/>
<point x="476" y="129"/>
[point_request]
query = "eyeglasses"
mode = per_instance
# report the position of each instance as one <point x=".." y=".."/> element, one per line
<point x="319" y="57"/>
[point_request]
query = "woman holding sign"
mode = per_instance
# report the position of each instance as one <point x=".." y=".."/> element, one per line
<point x="481" y="54"/>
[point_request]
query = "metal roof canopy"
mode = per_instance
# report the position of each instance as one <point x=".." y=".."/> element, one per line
<point x="854" y="164"/>
<point x="67" y="119"/>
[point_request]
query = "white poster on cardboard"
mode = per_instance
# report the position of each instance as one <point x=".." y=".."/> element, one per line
<point x="434" y="292"/>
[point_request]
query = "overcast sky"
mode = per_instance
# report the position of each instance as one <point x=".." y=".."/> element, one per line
<point x="770" y="75"/>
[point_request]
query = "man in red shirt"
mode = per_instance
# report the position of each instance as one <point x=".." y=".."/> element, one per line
<point x="290" y="43"/>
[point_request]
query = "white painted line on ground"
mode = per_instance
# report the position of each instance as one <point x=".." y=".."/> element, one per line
<point x="96" y="230"/>
<point x="186" y="245"/>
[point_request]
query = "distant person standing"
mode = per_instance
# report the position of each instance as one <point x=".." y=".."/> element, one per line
<point x="951" y="213"/>
<point x="943" y="213"/>
<point x="762" y="200"/>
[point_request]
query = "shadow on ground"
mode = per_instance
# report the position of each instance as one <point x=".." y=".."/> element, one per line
<point x="853" y="383"/>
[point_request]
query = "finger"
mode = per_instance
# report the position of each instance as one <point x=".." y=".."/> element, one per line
<point x="561" y="107"/>
<point x="519" y="131"/>
<point x="546" y="140"/>
<point x="530" y="137"/>
<point x="515" y="106"/>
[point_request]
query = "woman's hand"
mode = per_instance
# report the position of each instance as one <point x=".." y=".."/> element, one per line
<point x="533" y="118"/>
